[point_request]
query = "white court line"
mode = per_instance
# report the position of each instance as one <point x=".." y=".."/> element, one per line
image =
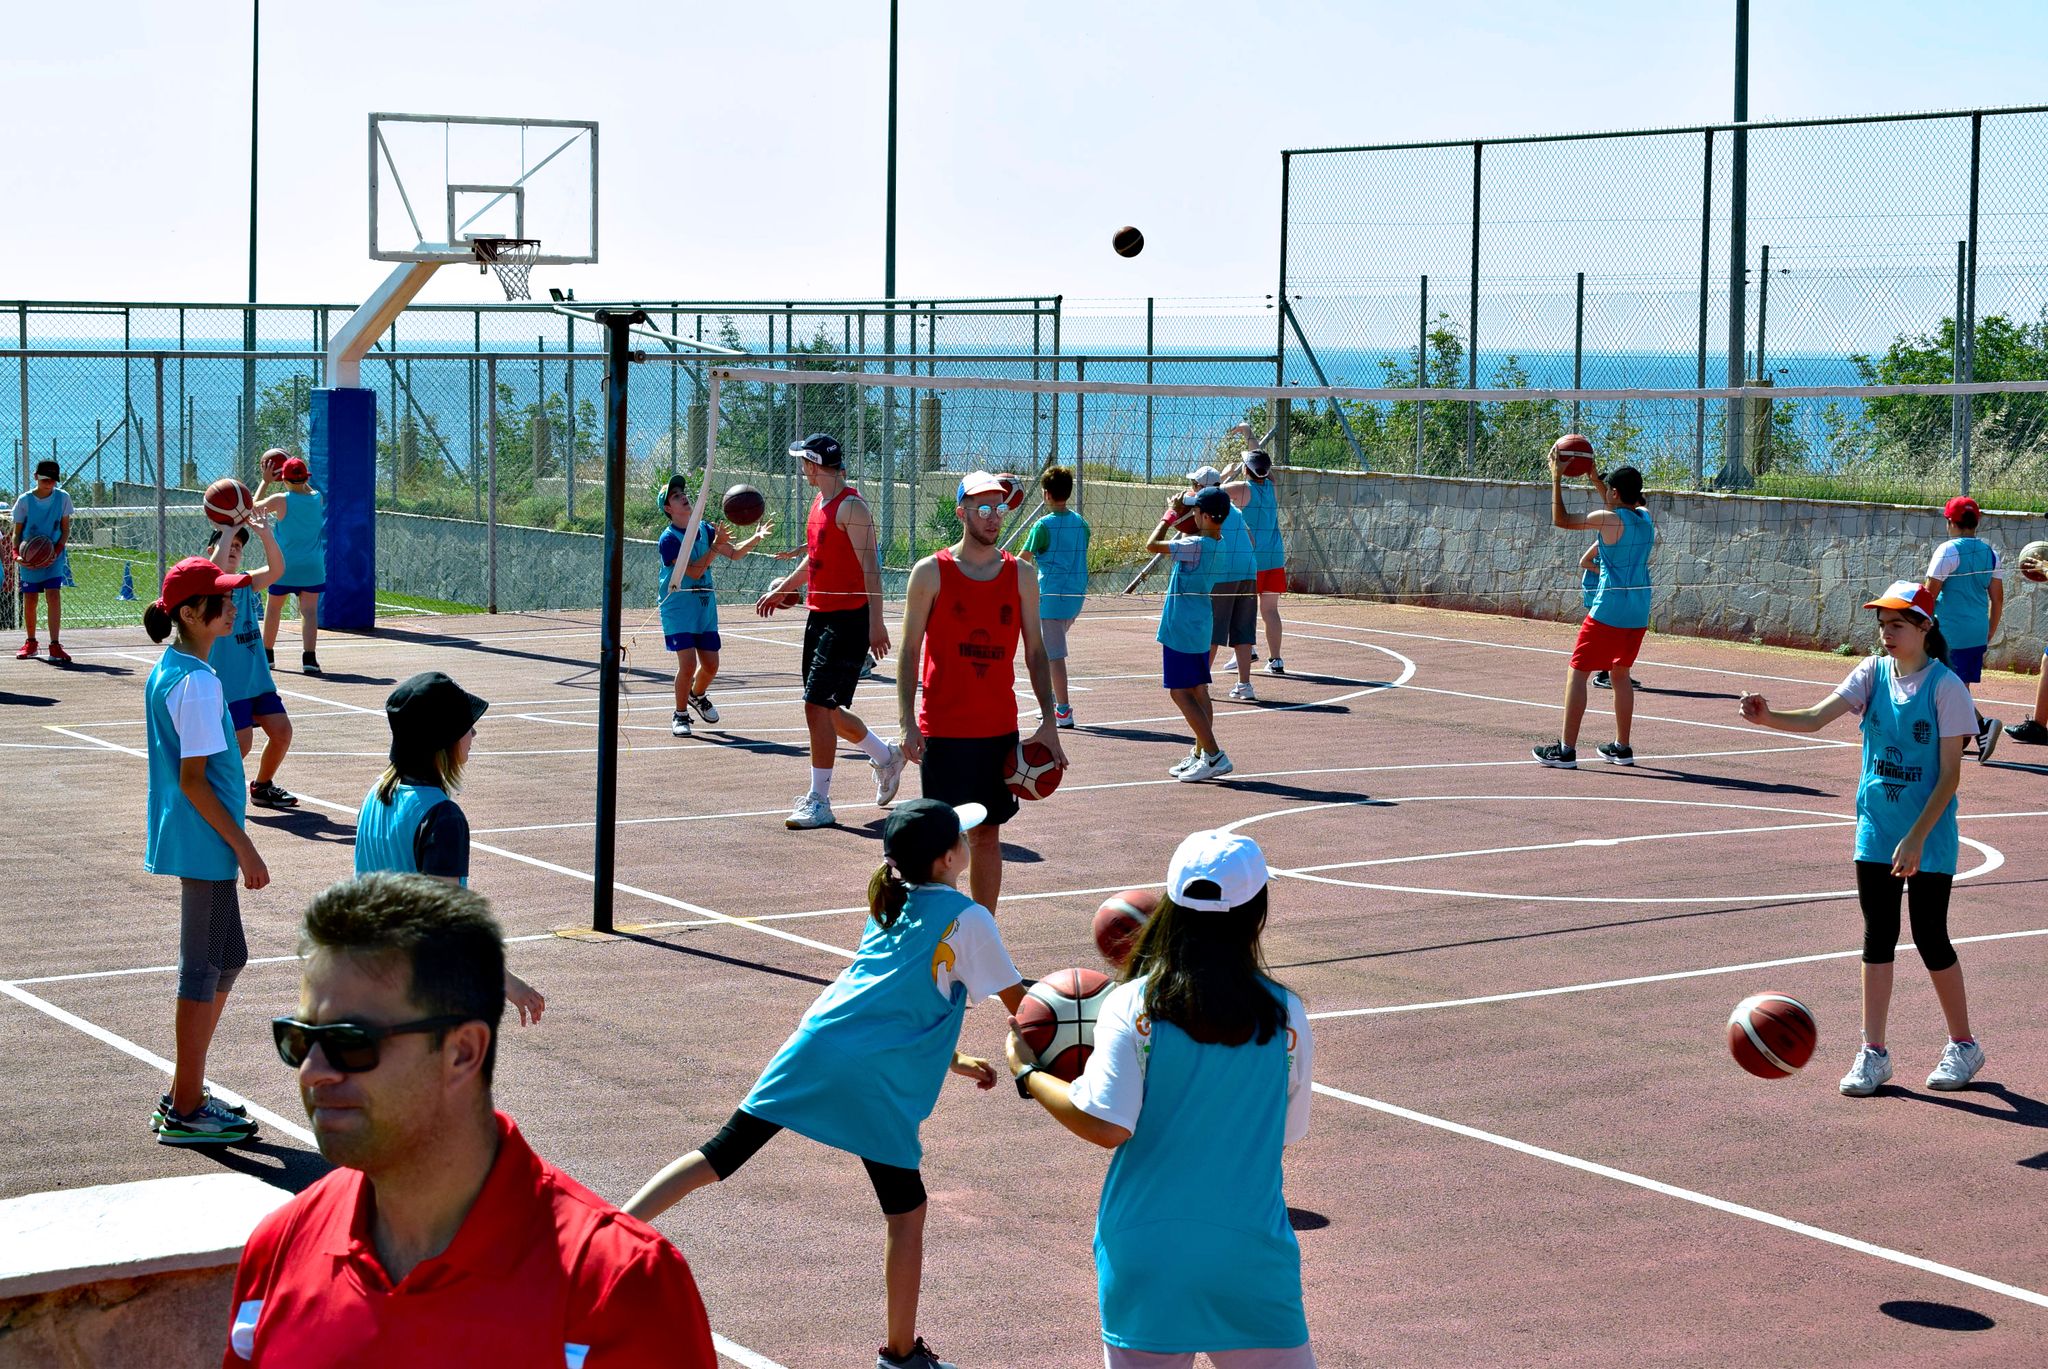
<point x="1707" y="1200"/>
<point x="44" y="746"/>
<point x="330" y="703"/>
<point x="99" y="741"/>
<point x="1633" y="980"/>
<point x="254" y="960"/>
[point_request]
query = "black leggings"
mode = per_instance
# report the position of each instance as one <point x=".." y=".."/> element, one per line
<point x="899" y="1190"/>
<point x="1878" y="890"/>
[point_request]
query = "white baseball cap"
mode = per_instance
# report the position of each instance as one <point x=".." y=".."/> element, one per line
<point x="980" y="482"/>
<point x="1233" y="863"/>
<point x="1203" y="476"/>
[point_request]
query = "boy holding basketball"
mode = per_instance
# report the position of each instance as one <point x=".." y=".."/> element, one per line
<point x="689" y="606"/>
<point x="967" y="611"/>
<point x="1186" y="624"/>
<point x="841" y="580"/>
<point x="300" y="514"/>
<point x="1057" y="547"/>
<point x="44" y="513"/>
<point x="1619" y="616"/>
<point x="1969" y="599"/>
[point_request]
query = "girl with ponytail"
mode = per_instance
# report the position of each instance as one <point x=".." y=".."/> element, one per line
<point x="196" y="807"/>
<point x="864" y="1067"/>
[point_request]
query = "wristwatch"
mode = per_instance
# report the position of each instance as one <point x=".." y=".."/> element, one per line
<point x="1023" y="1078"/>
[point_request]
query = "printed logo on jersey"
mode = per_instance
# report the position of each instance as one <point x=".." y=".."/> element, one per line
<point x="1893" y="774"/>
<point x="1922" y="732"/>
<point x="943" y="953"/>
<point x="978" y="651"/>
<point x="1003" y="615"/>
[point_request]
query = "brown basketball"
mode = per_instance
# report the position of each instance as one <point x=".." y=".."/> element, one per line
<point x="2034" y="561"/>
<point x="228" y="501"/>
<point x="1771" y="1036"/>
<point x="1129" y="242"/>
<point x="1118" y="922"/>
<point x="744" y="506"/>
<point x="1577" y="454"/>
<point x="272" y="463"/>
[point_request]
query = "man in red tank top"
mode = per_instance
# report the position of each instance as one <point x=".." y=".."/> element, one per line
<point x="842" y="580"/>
<point x="964" y="617"/>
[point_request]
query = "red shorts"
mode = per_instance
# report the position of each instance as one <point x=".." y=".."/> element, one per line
<point x="1601" y="647"/>
<point x="1273" y="581"/>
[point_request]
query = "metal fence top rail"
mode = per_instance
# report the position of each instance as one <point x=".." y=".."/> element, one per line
<point x="836" y="359"/>
<point x="1017" y="305"/>
<point x="1753" y="127"/>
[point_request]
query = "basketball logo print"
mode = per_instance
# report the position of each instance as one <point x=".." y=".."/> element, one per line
<point x="979" y="651"/>
<point x="1922" y="733"/>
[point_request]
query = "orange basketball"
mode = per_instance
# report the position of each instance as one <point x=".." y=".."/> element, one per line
<point x="1576" y="454"/>
<point x="1771" y="1036"/>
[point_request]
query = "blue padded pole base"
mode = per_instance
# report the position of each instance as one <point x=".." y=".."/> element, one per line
<point x="343" y="464"/>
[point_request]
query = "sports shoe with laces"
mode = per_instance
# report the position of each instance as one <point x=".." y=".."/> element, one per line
<point x="679" y="723"/>
<point x="1614" y="753"/>
<point x="1206" y="767"/>
<point x="1188" y="761"/>
<point x="58" y="654"/>
<point x="1987" y="735"/>
<point x="1604" y="679"/>
<point x="1276" y="666"/>
<point x="270" y="795"/>
<point x="920" y="1357"/>
<point x="1062" y="715"/>
<point x="2030" y="732"/>
<point x="210" y="1125"/>
<point x="888" y="776"/>
<point x="1960" y="1061"/>
<point x="1872" y="1067"/>
<point x="207" y="1102"/>
<point x="1557" y="756"/>
<point x="28" y="650"/>
<point x="810" y="810"/>
<point x="705" y="708"/>
<point x="309" y="664"/>
<point x="867" y="666"/>
<point x="1244" y="692"/>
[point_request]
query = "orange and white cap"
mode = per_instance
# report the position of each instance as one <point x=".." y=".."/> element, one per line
<point x="1908" y="595"/>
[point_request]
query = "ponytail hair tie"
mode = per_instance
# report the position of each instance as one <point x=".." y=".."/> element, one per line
<point x="893" y="868"/>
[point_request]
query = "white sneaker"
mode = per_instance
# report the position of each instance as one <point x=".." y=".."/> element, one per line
<point x="888" y="776"/>
<point x="679" y="723"/>
<point x="1062" y="716"/>
<point x="1276" y="666"/>
<point x="1872" y="1067"/>
<point x="1187" y="762"/>
<point x="705" y="710"/>
<point x="1959" y="1065"/>
<point x="811" y="810"/>
<point x="1206" y="768"/>
<point x="1245" y="692"/>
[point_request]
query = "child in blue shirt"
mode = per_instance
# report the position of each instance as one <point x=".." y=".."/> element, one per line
<point x="301" y="515"/>
<point x="1186" y="622"/>
<point x="1058" y="546"/>
<point x="44" y="512"/>
<point x="689" y="603"/>
<point x="244" y="667"/>
<point x="1969" y="599"/>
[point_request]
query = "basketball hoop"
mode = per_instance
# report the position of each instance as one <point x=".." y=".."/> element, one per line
<point x="511" y="258"/>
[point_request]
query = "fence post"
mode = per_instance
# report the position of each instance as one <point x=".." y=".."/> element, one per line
<point x="1080" y="430"/>
<point x="569" y="415"/>
<point x="1421" y="370"/>
<point x="162" y="533"/>
<point x="1057" y="310"/>
<point x="1578" y="346"/>
<point x="491" y="476"/>
<point x="1699" y="418"/>
<point x="1959" y="414"/>
<point x="1148" y="381"/>
<point x="21" y="335"/>
<point x="1472" y="326"/>
<point x="1036" y="320"/>
<point x="1970" y="301"/>
<point x="1735" y="461"/>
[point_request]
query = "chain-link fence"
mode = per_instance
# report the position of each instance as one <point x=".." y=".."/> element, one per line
<point x="1825" y="252"/>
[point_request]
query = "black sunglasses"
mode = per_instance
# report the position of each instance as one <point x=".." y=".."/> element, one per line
<point x="349" y="1046"/>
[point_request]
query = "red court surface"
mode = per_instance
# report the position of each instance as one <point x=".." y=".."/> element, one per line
<point x="1529" y="1144"/>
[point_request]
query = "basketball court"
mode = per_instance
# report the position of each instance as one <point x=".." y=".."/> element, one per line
<point x="1529" y="1142"/>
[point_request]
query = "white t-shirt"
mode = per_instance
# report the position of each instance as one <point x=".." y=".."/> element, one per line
<point x="195" y="704"/>
<point x="981" y="963"/>
<point x="1953" y="708"/>
<point x="1947" y="559"/>
<point x="1112" y="1083"/>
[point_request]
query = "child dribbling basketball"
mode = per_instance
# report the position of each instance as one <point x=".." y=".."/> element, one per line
<point x="689" y="604"/>
<point x="863" y="1069"/>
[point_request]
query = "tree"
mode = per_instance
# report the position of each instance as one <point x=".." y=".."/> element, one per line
<point x="1925" y="424"/>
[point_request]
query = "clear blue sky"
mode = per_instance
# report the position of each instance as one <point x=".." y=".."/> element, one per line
<point x="743" y="144"/>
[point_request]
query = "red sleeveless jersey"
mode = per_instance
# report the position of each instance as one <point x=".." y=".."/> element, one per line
<point x="970" y="653"/>
<point x="836" y="582"/>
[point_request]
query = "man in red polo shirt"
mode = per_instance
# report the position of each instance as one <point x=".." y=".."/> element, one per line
<point x="842" y="580"/>
<point x="442" y="1238"/>
<point x="966" y="610"/>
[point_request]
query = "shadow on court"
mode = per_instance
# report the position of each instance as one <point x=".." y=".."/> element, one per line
<point x="24" y="700"/>
<point x="2033" y="769"/>
<point x="1302" y="793"/>
<point x="1137" y="734"/>
<point x="88" y="668"/>
<point x="2016" y="1108"/>
<point x="1730" y="782"/>
<point x="1936" y="1316"/>
<point x="1668" y="693"/>
<point x="336" y="677"/>
<point x="737" y="962"/>
<point x="289" y="1167"/>
<point x="306" y="823"/>
<point x="1020" y="855"/>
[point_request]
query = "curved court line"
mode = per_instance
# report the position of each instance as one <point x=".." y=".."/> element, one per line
<point x="1993" y="857"/>
<point x="1707" y="1200"/>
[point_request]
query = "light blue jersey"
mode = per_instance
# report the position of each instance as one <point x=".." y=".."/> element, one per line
<point x="1901" y="765"/>
<point x="1622" y="598"/>
<point x="302" y="537"/>
<point x="1193" y="1203"/>
<point x="1964" y="604"/>
<point x="1185" y="619"/>
<point x="1059" y="544"/>
<point x="692" y="606"/>
<point x="1238" y="556"/>
<point x="45" y="518"/>
<point x="387" y="834"/>
<point x="1262" y="521"/>
<point x="238" y="658"/>
<point x="863" y="1069"/>
<point x="180" y="842"/>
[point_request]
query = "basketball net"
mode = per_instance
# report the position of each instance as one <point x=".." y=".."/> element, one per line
<point x="511" y="258"/>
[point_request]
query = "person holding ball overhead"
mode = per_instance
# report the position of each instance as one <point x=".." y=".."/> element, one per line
<point x="1916" y="718"/>
<point x="300" y="514"/>
<point x="689" y="604"/>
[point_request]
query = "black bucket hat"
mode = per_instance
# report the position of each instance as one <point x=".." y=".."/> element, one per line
<point x="428" y="714"/>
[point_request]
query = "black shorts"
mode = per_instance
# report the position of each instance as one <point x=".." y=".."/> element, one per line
<point x="835" y="648"/>
<point x="1234" y="613"/>
<point x="958" y="770"/>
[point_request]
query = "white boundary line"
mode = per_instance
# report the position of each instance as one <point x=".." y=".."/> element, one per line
<point x="1706" y="1200"/>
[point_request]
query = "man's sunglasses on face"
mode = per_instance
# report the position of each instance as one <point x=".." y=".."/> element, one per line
<point x="349" y="1047"/>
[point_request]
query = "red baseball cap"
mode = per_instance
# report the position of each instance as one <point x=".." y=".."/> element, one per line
<point x="194" y="576"/>
<point x="1960" y="505"/>
<point x="1908" y="595"/>
<point x="293" y="470"/>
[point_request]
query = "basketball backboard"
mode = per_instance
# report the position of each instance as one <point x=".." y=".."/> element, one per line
<point x="437" y="181"/>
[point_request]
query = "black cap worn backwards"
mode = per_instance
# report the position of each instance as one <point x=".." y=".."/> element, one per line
<point x="1259" y="462"/>
<point x="1627" y="482"/>
<point x="1213" y="501"/>
<point x="918" y="832"/>
<point x="429" y="713"/>
<point x="820" y="449"/>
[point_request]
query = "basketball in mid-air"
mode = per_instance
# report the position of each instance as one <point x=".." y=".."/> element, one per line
<point x="228" y="501"/>
<point x="1771" y="1036"/>
<point x="1129" y="242"/>
<point x="743" y="506"/>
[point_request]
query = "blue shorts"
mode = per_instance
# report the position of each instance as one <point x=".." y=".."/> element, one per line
<point x="692" y="641"/>
<point x="279" y="591"/>
<point x="1185" y="669"/>
<point x="29" y="586"/>
<point x="1967" y="662"/>
<point x="245" y="712"/>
